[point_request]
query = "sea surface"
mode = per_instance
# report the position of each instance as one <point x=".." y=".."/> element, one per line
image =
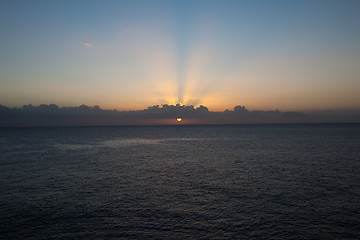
<point x="181" y="182"/>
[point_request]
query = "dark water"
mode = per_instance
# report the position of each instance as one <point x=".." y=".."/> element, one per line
<point x="184" y="182"/>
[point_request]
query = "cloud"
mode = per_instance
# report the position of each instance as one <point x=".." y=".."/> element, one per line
<point x="52" y="115"/>
<point x="87" y="44"/>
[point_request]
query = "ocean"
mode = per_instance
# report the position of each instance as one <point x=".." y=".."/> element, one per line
<point x="295" y="181"/>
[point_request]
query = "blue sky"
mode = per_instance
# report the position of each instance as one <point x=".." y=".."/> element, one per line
<point x="289" y="55"/>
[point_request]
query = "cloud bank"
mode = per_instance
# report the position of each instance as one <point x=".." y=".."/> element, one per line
<point x="52" y="115"/>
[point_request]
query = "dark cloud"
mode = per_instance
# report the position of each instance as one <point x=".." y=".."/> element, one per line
<point x="52" y="115"/>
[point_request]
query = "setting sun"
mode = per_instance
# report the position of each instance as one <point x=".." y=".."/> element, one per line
<point x="179" y="119"/>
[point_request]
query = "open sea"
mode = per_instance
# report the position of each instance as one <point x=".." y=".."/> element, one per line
<point x="299" y="181"/>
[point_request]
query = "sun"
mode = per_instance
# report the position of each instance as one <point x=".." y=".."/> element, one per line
<point x="178" y="119"/>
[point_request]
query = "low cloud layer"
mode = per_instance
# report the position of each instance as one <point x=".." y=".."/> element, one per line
<point x="52" y="115"/>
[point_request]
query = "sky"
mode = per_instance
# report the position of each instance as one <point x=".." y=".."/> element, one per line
<point x="127" y="55"/>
